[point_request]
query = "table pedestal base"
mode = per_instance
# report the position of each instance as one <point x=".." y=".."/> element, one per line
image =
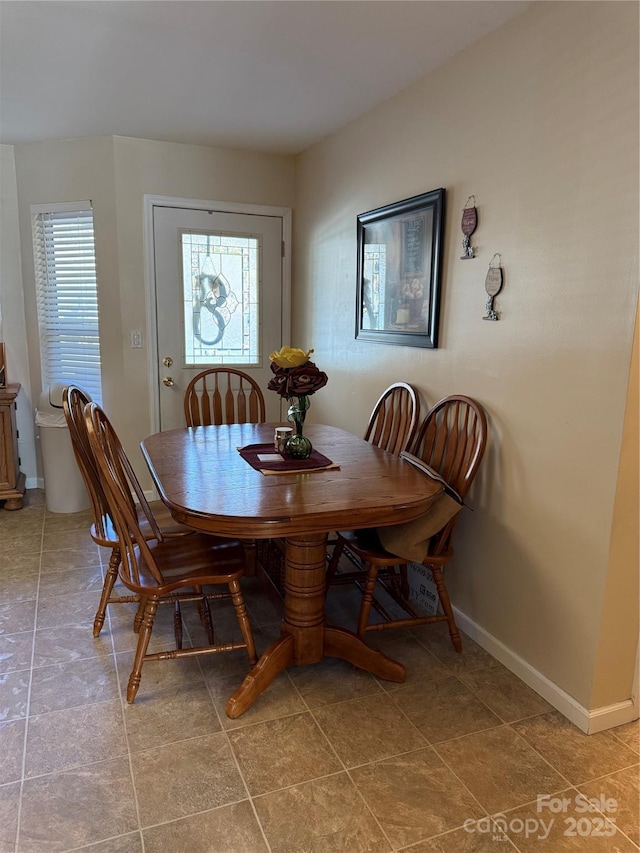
<point x="305" y="638"/>
<point x="338" y="643"/>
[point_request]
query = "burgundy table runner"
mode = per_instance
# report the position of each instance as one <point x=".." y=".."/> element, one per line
<point x="273" y="462"/>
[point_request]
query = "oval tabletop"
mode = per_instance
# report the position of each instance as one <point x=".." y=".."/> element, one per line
<point x="206" y="483"/>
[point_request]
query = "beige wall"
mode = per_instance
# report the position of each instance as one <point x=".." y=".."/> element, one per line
<point x="12" y="318"/>
<point x="539" y="121"/>
<point x="116" y="173"/>
<point x="621" y="602"/>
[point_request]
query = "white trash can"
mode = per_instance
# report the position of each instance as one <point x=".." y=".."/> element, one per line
<point x="64" y="489"/>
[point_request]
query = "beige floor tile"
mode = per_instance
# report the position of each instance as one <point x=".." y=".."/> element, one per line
<point x="69" y="558"/>
<point x="120" y="627"/>
<point x="368" y="729"/>
<point x="75" y="609"/>
<point x="158" y="676"/>
<point x="131" y="843"/>
<point x="332" y="681"/>
<point x="77" y="807"/>
<point x="228" y="829"/>
<point x="282" y="752"/>
<point x="171" y="714"/>
<point x="443" y="708"/>
<point x="61" y="740"/>
<point x="9" y="810"/>
<point x="11" y="519"/>
<point x="11" y="750"/>
<point x="87" y="579"/>
<point x="17" y="617"/>
<point x="21" y="565"/>
<point x="463" y="841"/>
<point x="509" y="697"/>
<point x="629" y="734"/>
<point x="234" y="663"/>
<point x="60" y="522"/>
<point x="16" y="586"/>
<point x="280" y="699"/>
<point x="15" y="651"/>
<point x="185" y="778"/>
<point x="325" y="816"/>
<point x="66" y="643"/>
<point x="620" y="791"/>
<point x="34" y="498"/>
<point x="69" y="685"/>
<point x="414" y="796"/>
<point x="499" y="768"/>
<point x="14" y="694"/>
<point x="21" y="546"/>
<point x="539" y="831"/>
<point x="420" y="664"/>
<point x="577" y="756"/>
<point x="68" y="540"/>
<point x="21" y="524"/>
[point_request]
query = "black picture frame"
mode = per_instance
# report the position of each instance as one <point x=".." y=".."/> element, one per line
<point x="399" y="271"/>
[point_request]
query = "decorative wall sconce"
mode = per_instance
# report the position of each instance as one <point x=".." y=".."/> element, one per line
<point x="493" y="285"/>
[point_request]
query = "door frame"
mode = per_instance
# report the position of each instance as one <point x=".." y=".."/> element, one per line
<point x="151" y="201"/>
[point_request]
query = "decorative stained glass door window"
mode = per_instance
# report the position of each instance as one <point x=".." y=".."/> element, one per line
<point x="220" y="298"/>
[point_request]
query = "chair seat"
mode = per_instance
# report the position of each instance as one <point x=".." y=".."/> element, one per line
<point x="210" y="560"/>
<point x="366" y="545"/>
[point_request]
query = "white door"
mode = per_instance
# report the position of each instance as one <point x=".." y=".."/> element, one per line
<point x="219" y="299"/>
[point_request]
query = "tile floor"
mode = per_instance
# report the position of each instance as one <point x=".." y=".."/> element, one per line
<point x="329" y="760"/>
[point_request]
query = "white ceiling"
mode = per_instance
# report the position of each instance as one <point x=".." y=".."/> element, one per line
<point x="269" y="75"/>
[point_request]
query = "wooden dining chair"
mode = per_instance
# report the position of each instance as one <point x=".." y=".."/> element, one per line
<point x="102" y="529"/>
<point x="392" y="424"/>
<point x="161" y="569"/>
<point x="394" y="418"/>
<point x="223" y="395"/>
<point x="451" y="440"/>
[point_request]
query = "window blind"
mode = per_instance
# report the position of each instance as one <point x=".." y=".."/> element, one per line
<point x="67" y="296"/>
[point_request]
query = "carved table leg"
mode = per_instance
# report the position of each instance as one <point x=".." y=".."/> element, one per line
<point x="277" y="657"/>
<point x="342" y="644"/>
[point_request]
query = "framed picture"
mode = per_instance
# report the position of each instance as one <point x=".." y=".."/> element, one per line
<point x="399" y="271"/>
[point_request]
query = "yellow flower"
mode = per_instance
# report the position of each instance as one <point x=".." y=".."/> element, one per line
<point x="290" y="357"/>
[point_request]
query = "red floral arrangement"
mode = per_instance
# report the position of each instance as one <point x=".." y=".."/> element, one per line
<point x="294" y="375"/>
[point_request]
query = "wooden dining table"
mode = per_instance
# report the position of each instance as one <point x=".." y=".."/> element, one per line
<point x="208" y="486"/>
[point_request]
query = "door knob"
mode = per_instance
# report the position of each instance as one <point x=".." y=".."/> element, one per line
<point x="168" y="381"/>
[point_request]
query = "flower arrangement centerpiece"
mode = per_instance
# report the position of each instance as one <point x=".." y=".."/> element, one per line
<point x="295" y="378"/>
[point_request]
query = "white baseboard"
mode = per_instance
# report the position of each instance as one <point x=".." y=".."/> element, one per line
<point x="587" y="721"/>
<point x="34" y="483"/>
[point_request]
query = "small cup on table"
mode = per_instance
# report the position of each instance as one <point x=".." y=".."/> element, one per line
<point x="280" y="438"/>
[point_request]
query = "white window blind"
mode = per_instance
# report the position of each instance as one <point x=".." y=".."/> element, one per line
<point x="66" y="287"/>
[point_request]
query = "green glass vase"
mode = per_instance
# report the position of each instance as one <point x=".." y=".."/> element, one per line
<point x="298" y="446"/>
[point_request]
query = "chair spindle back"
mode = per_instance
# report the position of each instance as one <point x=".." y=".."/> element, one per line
<point x="452" y="440"/>
<point x="394" y="418"/>
<point x="222" y="395"/>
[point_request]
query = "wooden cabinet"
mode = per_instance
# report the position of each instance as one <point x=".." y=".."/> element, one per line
<point x="11" y="479"/>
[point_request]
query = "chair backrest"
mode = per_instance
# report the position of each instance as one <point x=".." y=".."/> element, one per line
<point x="452" y="440"/>
<point x="394" y="418"/>
<point x="74" y="400"/>
<point x="120" y="483"/>
<point x="223" y="395"/>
